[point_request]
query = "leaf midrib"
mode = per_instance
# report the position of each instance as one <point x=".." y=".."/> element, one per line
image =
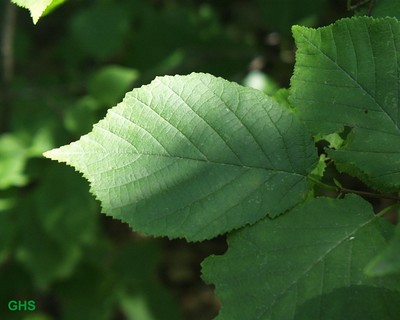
<point x="84" y="153"/>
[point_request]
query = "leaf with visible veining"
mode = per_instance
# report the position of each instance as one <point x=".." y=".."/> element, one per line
<point x="307" y="264"/>
<point x="194" y="156"/>
<point x="347" y="77"/>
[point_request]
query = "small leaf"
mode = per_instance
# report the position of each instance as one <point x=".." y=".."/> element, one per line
<point x="347" y="75"/>
<point x="337" y="183"/>
<point x="194" y="156"/>
<point x="37" y="8"/>
<point x="319" y="169"/>
<point x="13" y="157"/>
<point x="334" y="139"/>
<point x="109" y="84"/>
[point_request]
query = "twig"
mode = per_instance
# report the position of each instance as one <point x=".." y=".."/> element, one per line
<point x="351" y="6"/>
<point x="7" y="42"/>
<point x="371" y="6"/>
<point x="7" y="60"/>
<point x="387" y="209"/>
<point x="370" y="194"/>
<point x="341" y="190"/>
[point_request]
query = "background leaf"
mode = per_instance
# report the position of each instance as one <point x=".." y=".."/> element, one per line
<point x="314" y="252"/>
<point x="194" y="156"/>
<point x="290" y="12"/>
<point x="347" y="75"/>
<point x="13" y="156"/>
<point x="109" y="84"/>
<point x="101" y="29"/>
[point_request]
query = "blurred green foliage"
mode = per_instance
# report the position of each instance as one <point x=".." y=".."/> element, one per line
<point x="55" y="247"/>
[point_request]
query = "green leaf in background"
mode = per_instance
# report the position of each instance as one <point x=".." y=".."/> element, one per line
<point x="44" y="257"/>
<point x="347" y="75"/>
<point x="15" y="151"/>
<point x="90" y="293"/>
<point x="100" y="30"/>
<point x="290" y="12"/>
<point x="145" y="297"/>
<point x="52" y="230"/>
<point x="194" y="156"/>
<point x="110" y="83"/>
<point x="38" y="8"/>
<point x="13" y="157"/>
<point x="275" y="266"/>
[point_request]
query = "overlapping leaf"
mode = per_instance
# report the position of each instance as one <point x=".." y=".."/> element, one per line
<point x="307" y="264"/>
<point x="347" y="75"/>
<point x="194" y="156"/>
<point x="388" y="261"/>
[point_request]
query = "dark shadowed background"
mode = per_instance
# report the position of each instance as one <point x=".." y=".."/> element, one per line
<point x="58" y="78"/>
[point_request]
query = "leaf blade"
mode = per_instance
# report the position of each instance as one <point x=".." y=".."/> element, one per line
<point x="194" y="156"/>
<point x="277" y="266"/>
<point x="347" y="75"/>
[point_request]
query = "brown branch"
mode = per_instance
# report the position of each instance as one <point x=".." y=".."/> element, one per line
<point x="369" y="194"/>
<point x="7" y="42"/>
<point x="371" y="6"/>
<point x="7" y="61"/>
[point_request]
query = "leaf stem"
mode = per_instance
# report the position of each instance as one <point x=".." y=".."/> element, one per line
<point x="351" y="6"/>
<point x="371" y="4"/>
<point x="340" y="189"/>
<point x="370" y="7"/>
<point x="387" y="209"/>
<point x="369" y="194"/>
<point x="324" y="185"/>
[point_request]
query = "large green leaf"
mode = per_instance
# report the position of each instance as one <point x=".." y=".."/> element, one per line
<point x="298" y="265"/>
<point x="347" y="74"/>
<point x="194" y="156"/>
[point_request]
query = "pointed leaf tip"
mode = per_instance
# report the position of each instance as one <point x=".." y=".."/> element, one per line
<point x="38" y="8"/>
<point x="51" y="154"/>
